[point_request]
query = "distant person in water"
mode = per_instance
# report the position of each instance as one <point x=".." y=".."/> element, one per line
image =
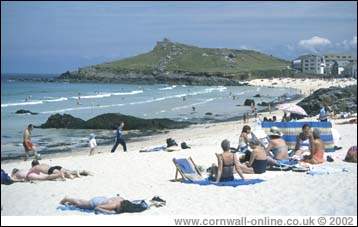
<point x="92" y="143"/>
<point x="79" y="98"/>
<point x="193" y="108"/>
<point x="27" y="143"/>
<point x="184" y="98"/>
<point x="119" y="139"/>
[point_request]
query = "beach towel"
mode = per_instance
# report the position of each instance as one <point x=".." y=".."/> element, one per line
<point x="232" y="183"/>
<point x="290" y="131"/>
<point x="324" y="170"/>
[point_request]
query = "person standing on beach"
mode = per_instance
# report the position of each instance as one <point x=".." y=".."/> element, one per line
<point x="79" y="98"/>
<point x="119" y="139"/>
<point x="323" y="113"/>
<point x="27" y="143"/>
<point x="92" y="143"/>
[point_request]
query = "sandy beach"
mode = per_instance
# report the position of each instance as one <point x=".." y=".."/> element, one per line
<point x="136" y="175"/>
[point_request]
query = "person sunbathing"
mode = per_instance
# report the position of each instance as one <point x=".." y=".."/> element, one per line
<point x="112" y="205"/>
<point x="258" y="159"/>
<point x="277" y="146"/>
<point x="227" y="161"/>
<point x="28" y="175"/>
<point x="303" y="141"/>
<point x="47" y="169"/>
<point x="317" y="149"/>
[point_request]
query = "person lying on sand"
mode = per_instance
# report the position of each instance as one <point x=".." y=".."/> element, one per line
<point x="227" y="162"/>
<point x="113" y="205"/>
<point x="28" y="175"/>
<point x="47" y="169"/>
<point x="277" y="146"/>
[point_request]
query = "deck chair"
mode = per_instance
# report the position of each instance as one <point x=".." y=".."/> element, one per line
<point x="290" y="131"/>
<point x="187" y="169"/>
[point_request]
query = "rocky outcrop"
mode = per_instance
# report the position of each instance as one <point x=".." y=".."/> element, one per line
<point x="339" y="100"/>
<point x="64" y="121"/>
<point x="110" y="121"/>
<point x="22" y="111"/>
<point x="249" y="102"/>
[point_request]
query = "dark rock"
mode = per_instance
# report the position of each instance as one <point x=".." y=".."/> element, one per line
<point x="257" y="95"/>
<point x="110" y="121"/>
<point x="64" y="121"/>
<point x="338" y="99"/>
<point x="248" y="102"/>
<point x="208" y="113"/>
<point x="25" y="112"/>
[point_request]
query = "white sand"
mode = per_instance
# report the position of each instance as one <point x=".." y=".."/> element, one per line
<point x="137" y="175"/>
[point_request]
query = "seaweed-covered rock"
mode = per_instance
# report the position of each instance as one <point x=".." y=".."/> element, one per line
<point x="110" y="121"/>
<point x="249" y="102"/>
<point x="338" y="99"/>
<point x="64" y="121"/>
<point x="22" y="111"/>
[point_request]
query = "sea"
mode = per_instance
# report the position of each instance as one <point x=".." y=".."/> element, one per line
<point x="87" y="100"/>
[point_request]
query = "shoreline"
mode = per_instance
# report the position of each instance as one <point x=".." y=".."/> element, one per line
<point x="302" y="87"/>
<point x="136" y="175"/>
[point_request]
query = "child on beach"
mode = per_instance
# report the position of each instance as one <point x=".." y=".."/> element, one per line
<point x="92" y="143"/>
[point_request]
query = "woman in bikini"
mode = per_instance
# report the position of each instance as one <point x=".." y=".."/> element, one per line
<point x="317" y="149"/>
<point x="258" y="159"/>
<point x="277" y="147"/>
<point x="227" y="162"/>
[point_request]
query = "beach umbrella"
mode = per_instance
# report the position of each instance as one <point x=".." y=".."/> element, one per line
<point x="292" y="108"/>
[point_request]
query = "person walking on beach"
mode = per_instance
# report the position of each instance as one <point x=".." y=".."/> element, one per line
<point x="92" y="143"/>
<point x="119" y="139"/>
<point x="27" y="143"/>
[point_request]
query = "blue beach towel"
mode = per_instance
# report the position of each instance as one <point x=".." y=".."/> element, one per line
<point x="287" y="162"/>
<point x="72" y="208"/>
<point x="233" y="183"/>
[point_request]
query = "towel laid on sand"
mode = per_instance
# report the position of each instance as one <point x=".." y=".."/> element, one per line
<point x="323" y="170"/>
<point x="233" y="183"/>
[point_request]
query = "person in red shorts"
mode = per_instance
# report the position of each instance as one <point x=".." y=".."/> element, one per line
<point x="27" y="143"/>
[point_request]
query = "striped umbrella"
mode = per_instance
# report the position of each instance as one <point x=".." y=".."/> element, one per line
<point x="292" y="108"/>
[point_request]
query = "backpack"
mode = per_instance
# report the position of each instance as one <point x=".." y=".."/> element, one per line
<point x="171" y="142"/>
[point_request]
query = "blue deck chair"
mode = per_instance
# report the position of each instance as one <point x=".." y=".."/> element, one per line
<point x="187" y="169"/>
<point x="290" y="131"/>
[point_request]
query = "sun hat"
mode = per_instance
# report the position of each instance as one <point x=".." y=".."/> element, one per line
<point x="275" y="131"/>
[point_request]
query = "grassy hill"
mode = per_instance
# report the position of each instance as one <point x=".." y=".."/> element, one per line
<point x="169" y="58"/>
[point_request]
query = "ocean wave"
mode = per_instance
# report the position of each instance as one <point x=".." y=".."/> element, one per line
<point x="22" y="103"/>
<point x="168" y="88"/>
<point x="56" y="100"/>
<point x="106" y="95"/>
<point x="81" y="108"/>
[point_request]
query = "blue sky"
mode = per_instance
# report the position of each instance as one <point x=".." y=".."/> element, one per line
<point x="53" y="37"/>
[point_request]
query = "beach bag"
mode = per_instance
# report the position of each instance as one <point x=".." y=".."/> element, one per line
<point x="184" y="146"/>
<point x="133" y="206"/>
<point x="171" y="142"/>
<point x="5" y="178"/>
<point x="351" y="155"/>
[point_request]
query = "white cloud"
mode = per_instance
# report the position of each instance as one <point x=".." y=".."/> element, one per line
<point x="313" y="43"/>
